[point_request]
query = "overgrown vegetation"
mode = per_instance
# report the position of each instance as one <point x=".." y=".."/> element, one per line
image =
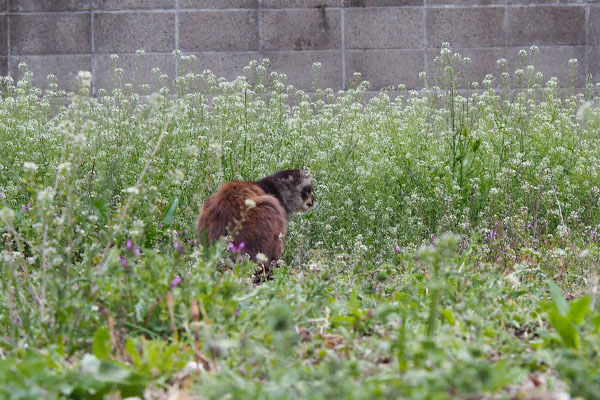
<point x="105" y="291"/>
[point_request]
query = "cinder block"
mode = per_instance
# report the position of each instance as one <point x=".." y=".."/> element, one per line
<point x="594" y="63"/>
<point x="222" y="64"/>
<point x="386" y="67"/>
<point x="218" y="3"/>
<point x="136" y="70"/>
<point x="60" y="33"/>
<point x="132" y="4"/>
<point x="594" y="26"/>
<point x="48" y="5"/>
<point x="529" y="2"/>
<point x="3" y="35"/>
<point x="301" y="3"/>
<point x="64" y="67"/>
<point x="128" y="32"/>
<point x="546" y="25"/>
<point x="465" y="27"/>
<point x="465" y="3"/>
<point x="297" y="65"/>
<point x="218" y="31"/>
<point x="483" y="62"/>
<point x="382" y="3"/>
<point x="552" y="61"/>
<point x="373" y="28"/>
<point x="3" y="66"/>
<point x="303" y="29"/>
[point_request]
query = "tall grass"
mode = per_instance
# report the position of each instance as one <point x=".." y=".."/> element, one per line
<point x="98" y="194"/>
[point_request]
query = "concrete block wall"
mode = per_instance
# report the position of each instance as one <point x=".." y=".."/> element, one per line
<point x="388" y="41"/>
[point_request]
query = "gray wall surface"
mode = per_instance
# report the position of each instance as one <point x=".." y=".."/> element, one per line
<point x="388" y="41"/>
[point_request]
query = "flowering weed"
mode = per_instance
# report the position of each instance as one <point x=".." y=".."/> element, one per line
<point x="98" y="196"/>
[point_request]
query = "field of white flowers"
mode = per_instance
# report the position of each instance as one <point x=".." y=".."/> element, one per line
<point x="453" y="252"/>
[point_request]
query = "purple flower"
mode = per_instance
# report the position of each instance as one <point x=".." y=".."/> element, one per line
<point x="103" y="310"/>
<point x="185" y="231"/>
<point x="175" y="282"/>
<point x="129" y="244"/>
<point x="180" y="249"/>
<point x="237" y="312"/>
<point x="123" y="261"/>
<point x="137" y="251"/>
<point x="235" y="249"/>
<point x="2" y="195"/>
<point x="397" y="249"/>
<point x="491" y="235"/>
<point x="593" y="233"/>
<point x="27" y="207"/>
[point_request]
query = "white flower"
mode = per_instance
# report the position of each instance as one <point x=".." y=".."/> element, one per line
<point x="250" y="203"/>
<point x="66" y="166"/>
<point x="132" y="190"/>
<point x="45" y="195"/>
<point x="6" y="214"/>
<point x="30" y="166"/>
<point x="84" y="75"/>
<point x="260" y="257"/>
<point x="583" y="110"/>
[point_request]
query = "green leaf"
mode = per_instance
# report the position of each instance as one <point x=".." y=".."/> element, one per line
<point x="133" y="352"/>
<point x="517" y="293"/>
<point x="168" y="219"/>
<point x="596" y="323"/>
<point x="558" y="299"/>
<point x="565" y="328"/>
<point x="102" y="343"/>
<point x="100" y="377"/>
<point x="98" y="206"/>
<point x="353" y="302"/>
<point x="448" y="315"/>
<point x="502" y="375"/>
<point x="579" y="309"/>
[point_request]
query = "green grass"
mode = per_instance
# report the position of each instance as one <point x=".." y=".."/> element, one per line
<point x="98" y="195"/>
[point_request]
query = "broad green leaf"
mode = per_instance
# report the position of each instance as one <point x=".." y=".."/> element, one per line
<point x="578" y="309"/>
<point x="597" y="323"/>
<point x="448" y="315"/>
<point x="168" y="219"/>
<point x="558" y="299"/>
<point x="133" y="352"/>
<point x="565" y="328"/>
<point x="102" y="343"/>
<point x="353" y="302"/>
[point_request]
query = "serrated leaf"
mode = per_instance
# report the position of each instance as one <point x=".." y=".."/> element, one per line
<point x="558" y="299"/>
<point x="578" y="309"/>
